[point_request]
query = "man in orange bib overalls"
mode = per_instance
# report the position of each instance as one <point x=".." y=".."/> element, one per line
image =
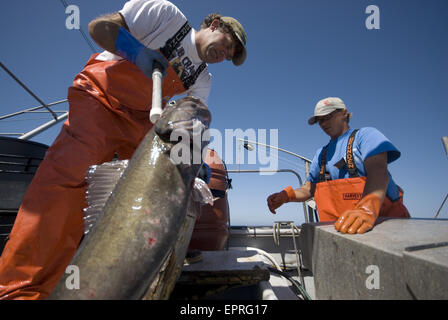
<point x="110" y="102"/>
<point x="348" y="177"/>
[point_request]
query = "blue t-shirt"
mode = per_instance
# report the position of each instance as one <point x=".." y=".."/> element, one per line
<point x="368" y="142"/>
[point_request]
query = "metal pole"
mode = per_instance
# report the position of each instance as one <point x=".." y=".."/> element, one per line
<point x="32" y="109"/>
<point x="307" y="169"/>
<point x="156" y="108"/>
<point x="274" y="170"/>
<point x="305" y="213"/>
<point x="445" y="144"/>
<point x="276" y="148"/>
<point x="298" y="255"/>
<point x="43" y="127"/>
<point x="438" y="211"/>
<point x="28" y="90"/>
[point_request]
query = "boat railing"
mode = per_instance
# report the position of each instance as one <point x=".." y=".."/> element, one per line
<point x="57" y="116"/>
<point x="309" y="211"/>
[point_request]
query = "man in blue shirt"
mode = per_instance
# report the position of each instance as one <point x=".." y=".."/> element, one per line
<point x="348" y="177"/>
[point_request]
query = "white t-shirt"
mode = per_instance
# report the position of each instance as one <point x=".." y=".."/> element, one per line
<point x="153" y="22"/>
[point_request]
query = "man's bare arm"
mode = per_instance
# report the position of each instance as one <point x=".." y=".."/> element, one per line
<point x="111" y="33"/>
<point x="104" y="30"/>
<point x="377" y="175"/>
<point x="305" y="192"/>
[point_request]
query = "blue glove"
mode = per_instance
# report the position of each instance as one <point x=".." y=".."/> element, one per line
<point x="205" y="173"/>
<point x="128" y="47"/>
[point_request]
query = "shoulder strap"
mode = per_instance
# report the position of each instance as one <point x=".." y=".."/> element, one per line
<point x="351" y="167"/>
<point x="322" y="176"/>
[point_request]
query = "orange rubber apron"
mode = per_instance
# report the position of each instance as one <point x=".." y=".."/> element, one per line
<point x="109" y="110"/>
<point x="334" y="197"/>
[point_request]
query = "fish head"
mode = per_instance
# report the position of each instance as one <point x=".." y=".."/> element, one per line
<point x="187" y="114"/>
<point x="183" y="128"/>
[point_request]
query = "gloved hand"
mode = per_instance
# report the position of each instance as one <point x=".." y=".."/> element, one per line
<point x="128" y="47"/>
<point x="277" y="199"/>
<point x="362" y="218"/>
<point x="205" y="173"/>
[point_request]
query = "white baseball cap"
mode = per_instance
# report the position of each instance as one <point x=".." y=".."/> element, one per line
<point x="326" y="106"/>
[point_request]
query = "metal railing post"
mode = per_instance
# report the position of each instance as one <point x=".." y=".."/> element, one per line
<point x="305" y="211"/>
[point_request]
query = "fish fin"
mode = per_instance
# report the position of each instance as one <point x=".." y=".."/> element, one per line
<point x="101" y="180"/>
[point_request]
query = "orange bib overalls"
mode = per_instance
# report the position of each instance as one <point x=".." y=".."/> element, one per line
<point x="109" y="110"/>
<point x="334" y="197"/>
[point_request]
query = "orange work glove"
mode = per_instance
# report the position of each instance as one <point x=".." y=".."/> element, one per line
<point x="277" y="199"/>
<point x="362" y="218"/>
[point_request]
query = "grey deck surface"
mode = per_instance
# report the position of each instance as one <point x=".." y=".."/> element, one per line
<point x="227" y="267"/>
<point x="238" y="267"/>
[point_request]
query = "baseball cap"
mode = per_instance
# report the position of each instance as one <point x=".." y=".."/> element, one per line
<point x="326" y="106"/>
<point x="238" y="30"/>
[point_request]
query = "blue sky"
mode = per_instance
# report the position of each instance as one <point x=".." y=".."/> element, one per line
<point x="299" y="52"/>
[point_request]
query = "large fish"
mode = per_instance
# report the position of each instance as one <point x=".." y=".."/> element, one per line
<point x="144" y="218"/>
